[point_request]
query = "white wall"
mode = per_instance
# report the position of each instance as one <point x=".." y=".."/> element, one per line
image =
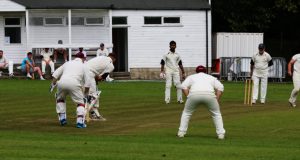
<point x="7" y="5"/>
<point x="15" y="52"/>
<point x="80" y="34"/>
<point x="147" y="45"/>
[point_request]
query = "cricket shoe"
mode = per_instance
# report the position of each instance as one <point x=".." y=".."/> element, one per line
<point x="63" y="122"/>
<point x="180" y="134"/>
<point x="81" y="125"/>
<point x="221" y="136"/>
<point x="108" y="79"/>
<point x="293" y="104"/>
<point x="94" y="117"/>
<point x="180" y="102"/>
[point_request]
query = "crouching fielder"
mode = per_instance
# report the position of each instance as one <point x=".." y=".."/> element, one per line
<point x="200" y="89"/>
<point x="99" y="68"/>
<point x="72" y="76"/>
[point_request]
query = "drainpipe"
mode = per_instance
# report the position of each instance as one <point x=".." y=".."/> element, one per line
<point x="27" y="30"/>
<point x="70" y="33"/>
<point x="206" y="27"/>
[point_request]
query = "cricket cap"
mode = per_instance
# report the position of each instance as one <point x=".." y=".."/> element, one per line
<point x="261" y="46"/>
<point x="200" y="69"/>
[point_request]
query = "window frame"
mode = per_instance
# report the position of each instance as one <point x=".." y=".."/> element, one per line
<point x="30" y="22"/>
<point x="96" y="24"/>
<point x="62" y="18"/>
<point x="67" y="21"/>
<point x="163" y="24"/>
<point x="13" y="26"/>
<point x="120" y="17"/>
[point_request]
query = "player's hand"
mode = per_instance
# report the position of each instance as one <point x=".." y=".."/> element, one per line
<point x="52" y="87"/>
<point x="162" y="75"/>
<point x="290" y="73"/>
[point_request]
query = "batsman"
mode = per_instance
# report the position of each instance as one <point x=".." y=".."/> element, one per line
<point x="70" y="78"/>
<point x="99" y="68"/>
<point x="173" y="62"/>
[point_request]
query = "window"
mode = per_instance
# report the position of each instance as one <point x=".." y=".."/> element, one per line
<point x="94" y="21"/>
<point x="152" y="20"/>
<point x="76" y="21"/>
<point x="12" y="30"/>
<point x="162" y="21"/>
<point x="172" y="20"/>
<point x="54" y="21"/>
<point x="119" y="20"/>
<point x="36" y="21"/>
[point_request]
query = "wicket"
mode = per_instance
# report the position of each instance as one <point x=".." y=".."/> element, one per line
<point x="248" y="92"/>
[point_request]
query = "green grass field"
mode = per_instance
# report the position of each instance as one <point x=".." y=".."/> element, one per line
<point x="141" y="126"/>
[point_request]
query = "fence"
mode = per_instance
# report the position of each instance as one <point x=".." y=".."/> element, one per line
<point x="238" y="68"/>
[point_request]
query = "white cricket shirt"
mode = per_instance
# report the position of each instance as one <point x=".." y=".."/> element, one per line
<point x="261" y="63"/>
<point x="74" y="72"/>
<point x="171" y="61"/>
<point x="3" y="60"/>
<point x="296" y="66"/>
<point x="46" y="55"/>
<point x="202" y="84"/>
<point x="103" y="52"/>
<point x="100" y="65"/>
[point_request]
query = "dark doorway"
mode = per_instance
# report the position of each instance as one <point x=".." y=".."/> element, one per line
<point x="120" y="41"/>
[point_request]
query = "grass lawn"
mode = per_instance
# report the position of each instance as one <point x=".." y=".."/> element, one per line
<point x="141" y="126"/>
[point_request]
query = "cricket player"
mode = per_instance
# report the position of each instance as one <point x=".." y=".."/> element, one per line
<point x="4" y="64"/>
<point x="173" y="62"/>
<point x="102" y="51"/>
<point x="260" y="64"/>
<point x="99" y="68"/>
<point x="202" y="88"/>
<point x="72" y="76"/>
<point x="46" y="53"/>
<point x="294" y="70"/>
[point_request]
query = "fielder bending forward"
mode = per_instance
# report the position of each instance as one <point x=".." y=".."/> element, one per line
<point x="172" y="61"/>
<point x="295" y="64"/>
<point x="204" y="89"/>
<point x="99" y="68"/>
<point x="72" y="76"/>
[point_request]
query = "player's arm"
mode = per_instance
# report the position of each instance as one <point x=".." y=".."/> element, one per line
<point x="162" y="65"/>
<point x="186" y="84"/>
<point x="251" y="67"/>
<point x="182" y="69"/>
<point x="28" y="63"/>
<point x="290" y="66"/>
<point x="58" y="72"/>
<point x="219" y="89"/>
<point x="87" y="80"/>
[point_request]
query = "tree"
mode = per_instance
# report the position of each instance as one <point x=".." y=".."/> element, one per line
<point x="249" y="15"/>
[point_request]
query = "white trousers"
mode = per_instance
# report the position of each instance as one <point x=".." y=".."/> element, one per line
<point x="175" y="76"/>
<point x="263" y="87"/>
<point x="10" y="66"/>
<point x="213" y="106"/>
<point x="68" y="87"/>
<point x="295" y="91"/>
<point x="51" y="64"/>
